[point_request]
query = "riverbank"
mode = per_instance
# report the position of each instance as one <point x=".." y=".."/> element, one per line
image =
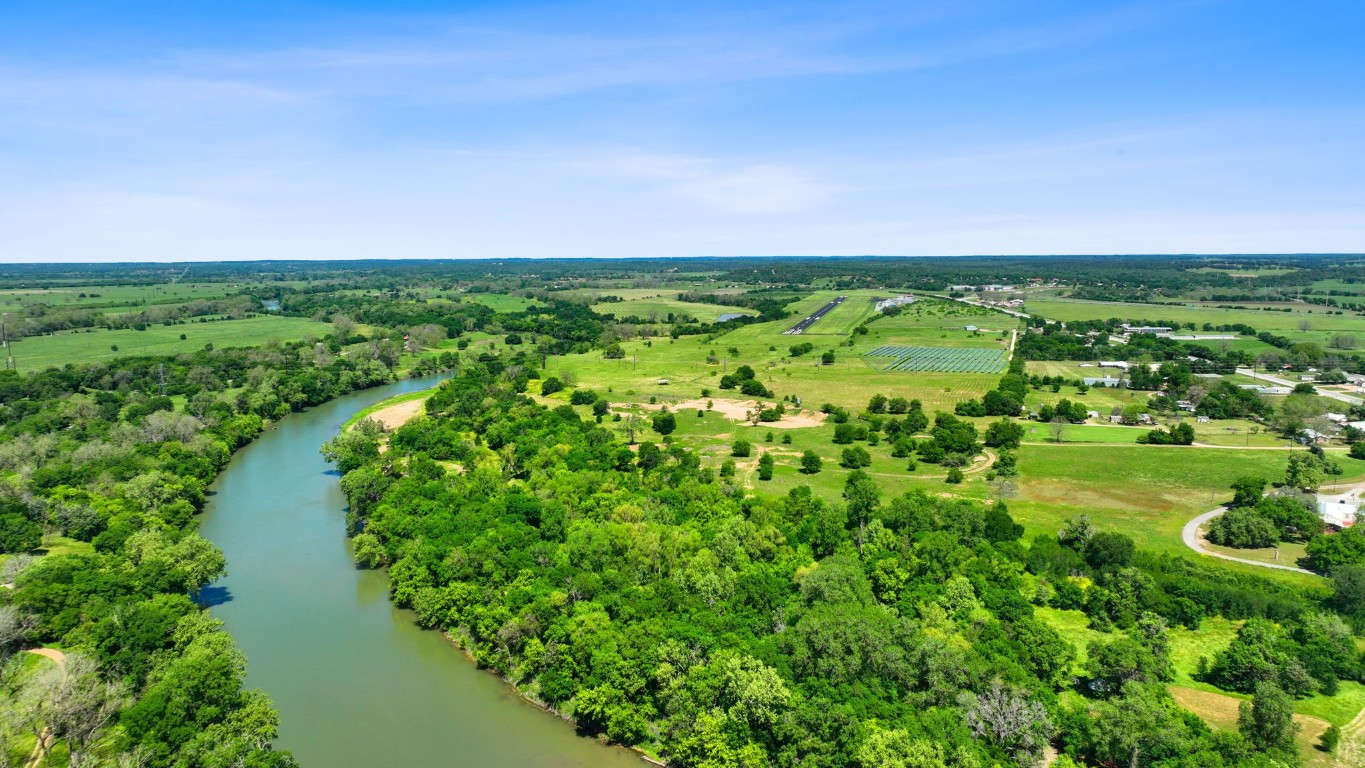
<point x="393" y="412"/>
<point x="357" y="682"/>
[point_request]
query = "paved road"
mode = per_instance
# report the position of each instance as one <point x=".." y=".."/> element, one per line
<point x="1287" y="383"/>
<point x="1196" y="542"/>
<point x="799" y="328"/>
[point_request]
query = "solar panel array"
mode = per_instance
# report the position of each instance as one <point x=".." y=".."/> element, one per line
<point x="942" y="359"/>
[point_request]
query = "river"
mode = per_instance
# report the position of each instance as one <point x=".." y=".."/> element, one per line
<point x="357" y="683"/>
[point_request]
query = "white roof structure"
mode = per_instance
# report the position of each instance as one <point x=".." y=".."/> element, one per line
<point x="1339" y="510"/>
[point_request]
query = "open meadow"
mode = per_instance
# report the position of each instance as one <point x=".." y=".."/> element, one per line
<point x="38" y="352"/>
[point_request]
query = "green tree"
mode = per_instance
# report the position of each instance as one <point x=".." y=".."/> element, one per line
<point x="1004" y="433"/>
<point x="1267" y="721"/>
<point x="863" y="496"/>
<point x="765" y="467"/>
<point x="664" y="423"/>
<point x="1304" y="471"/>
<point x="810" y="463"/>
<point x="1247" y="491"/>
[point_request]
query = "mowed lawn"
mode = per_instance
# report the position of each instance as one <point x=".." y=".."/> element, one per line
<point x="1146" y="491"/>
<point x="38" y="352"/>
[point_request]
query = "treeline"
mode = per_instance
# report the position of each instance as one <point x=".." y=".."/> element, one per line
<point x="657" y="604"/>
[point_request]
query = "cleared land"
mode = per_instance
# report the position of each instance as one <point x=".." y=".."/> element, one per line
<point x="1323" y="323"/>
<point x="38" y="352"/>
<point x="659" y="308"/>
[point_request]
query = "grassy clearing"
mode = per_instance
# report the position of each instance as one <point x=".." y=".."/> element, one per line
<point x="500" y="302"/>
<point x="94" y="296"/>
<point x="38" y="352"/>
<point x="1148" y="492"/>
<point x="658" y="308"/>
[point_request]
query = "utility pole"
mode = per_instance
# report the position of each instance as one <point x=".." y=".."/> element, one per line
<point x="4" y="343"/>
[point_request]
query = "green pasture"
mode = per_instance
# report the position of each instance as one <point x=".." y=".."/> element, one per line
<point x="500" y="302"/>
<point x="1146" y="491"/>
<point x="849" y="382"/>
<point x="1281" y="323"/>
<point x="658" y="308"/>
<point x="38" y="352"/>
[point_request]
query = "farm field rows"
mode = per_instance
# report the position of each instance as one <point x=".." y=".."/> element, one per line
<point x="942" y="359"/>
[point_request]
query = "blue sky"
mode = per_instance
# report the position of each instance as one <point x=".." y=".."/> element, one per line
<point x="179" y="130"/>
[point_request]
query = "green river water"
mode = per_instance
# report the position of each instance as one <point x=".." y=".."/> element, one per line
<point x="357" y="683"/>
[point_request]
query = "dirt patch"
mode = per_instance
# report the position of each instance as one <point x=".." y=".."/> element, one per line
<point x="1220" y="711"/>
<point x="398" y="414"/>
<point x="739" y="410"/>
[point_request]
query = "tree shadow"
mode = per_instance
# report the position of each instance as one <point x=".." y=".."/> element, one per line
<point x="213" y="596"/>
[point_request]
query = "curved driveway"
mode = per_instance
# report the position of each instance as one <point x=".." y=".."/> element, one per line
<point x="1196" y="542"/>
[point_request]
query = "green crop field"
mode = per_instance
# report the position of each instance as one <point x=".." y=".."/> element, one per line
<point x="37" y="352"/>
<point x="944" y="359"/>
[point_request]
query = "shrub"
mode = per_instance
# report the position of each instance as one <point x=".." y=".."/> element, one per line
<point x="811" y="463"/>
<point x="954" y="475"/>
<point x="741" y="448"/>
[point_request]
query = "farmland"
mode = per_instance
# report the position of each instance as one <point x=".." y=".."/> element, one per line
<point x="941" y="359"/>
<point x="37" y="352"/>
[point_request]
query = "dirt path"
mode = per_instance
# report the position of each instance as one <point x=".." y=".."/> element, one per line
<point x="40" y="749"/>
<point x="1195" y="540"/>
<point x="1351" y="750"/>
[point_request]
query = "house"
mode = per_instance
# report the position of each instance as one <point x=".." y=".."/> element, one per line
<point x="1316" y="437"/>
<point x="1202" y="419"/>
<point x="1185" y="405"/>
<point x="1338" y="418"/>
<point x="1153" y="329"/>
<point x="1115" y="418"/>
<point x="1102" y="381"/>
<point x="1092" y="414"/>
<point x="1339" y="511"/>
<point x="1120" y="364"/>
<point x="1360" y="425"/>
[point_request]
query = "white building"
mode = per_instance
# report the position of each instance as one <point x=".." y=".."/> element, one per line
<point x="1121" y="364"/>
<point x="1339" y="511"/>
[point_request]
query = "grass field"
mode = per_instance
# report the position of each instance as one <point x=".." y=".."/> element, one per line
<point x="115" y="295"/>
<point x="850" y="381"/>
<point x="1281" y="323"/>
<point x="658" y="308"/>
<point x="500" y="302"/>
<point x="1147" y="492"/>
<point x="38" y="352"/>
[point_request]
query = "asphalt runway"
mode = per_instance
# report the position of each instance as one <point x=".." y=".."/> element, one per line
<point x="799" y="328"/>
